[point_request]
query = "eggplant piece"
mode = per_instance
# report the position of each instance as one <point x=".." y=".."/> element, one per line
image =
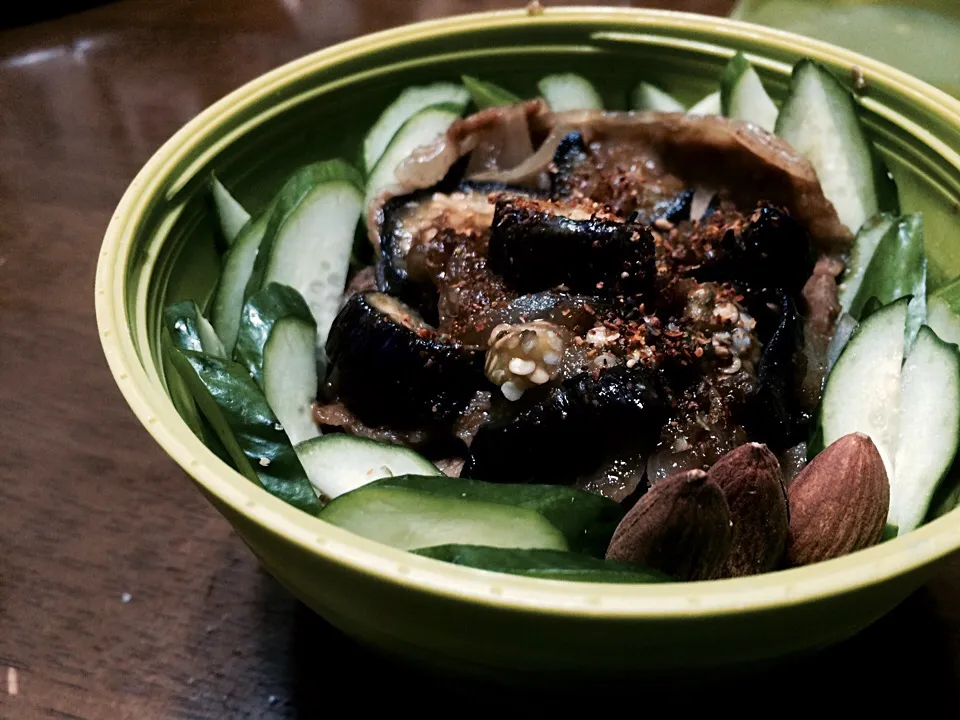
<point x="534" y="245"/>
<point x="571" y="151"/>
<point x="770" y="414"/>
<point x="674" y="209"/>
<point x="772" y="251"/>
<point x="570" y="430"/>
<point x="389" y="367"/>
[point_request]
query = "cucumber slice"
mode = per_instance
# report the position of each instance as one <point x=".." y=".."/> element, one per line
<point x="190" y="330"/>
<point x="844" y="330"/>
<point x="586" y="520"/>
<point x="864" y="248"/>
<point x="409" y="519"/>
<point x="950" y="293"/>
<point x="309" y="238"/>
<point x="408" y="103"/>
<point x="421" y="129"/>
<point x="709" y="105"/>
<point x="237" y="267"/>
<point x="743" y="97"/>
<point x="649" y="97"/>
<point x="546" y="564"/>
<point x="338" y="464"/>
<point x="277" y="345"/>
<point x="862" y="394"/>
<point x="819" y="119"/>
<point x="943" y="320"/>
<point x="929" y="428"/>
<point x="248" y="429"/>
<point x="485" y="94"/>
<point x="567" y="91"/>
<point x="230" y="213"/>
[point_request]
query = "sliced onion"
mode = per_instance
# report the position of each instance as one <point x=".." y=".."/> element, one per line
<point x="700" y="202"/>
<point x="529" y="168"/>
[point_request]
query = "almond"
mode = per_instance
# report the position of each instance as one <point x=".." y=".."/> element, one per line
<point x="838" y="503"/>
<point x="753" y="486"/>
<point x="680" y="527"/>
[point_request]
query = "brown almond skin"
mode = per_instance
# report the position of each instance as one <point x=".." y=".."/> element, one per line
<point x="753" y="486"/>
<point x="838" y="503"/>
<point x="680" y="527"/>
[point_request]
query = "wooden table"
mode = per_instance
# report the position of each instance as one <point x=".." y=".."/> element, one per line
<point x="123" y="594"/>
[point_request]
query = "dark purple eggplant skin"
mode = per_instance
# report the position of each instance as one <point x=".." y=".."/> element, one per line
<point x="570" y="152"/>
<point x="570" y="429"/>
<point x="534" y="249"/>
<point x="389" y="374"/>
<point x="771" y="414"/>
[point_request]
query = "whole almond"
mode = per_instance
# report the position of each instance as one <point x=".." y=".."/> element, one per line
<point x="753" y="486"/>
<point x="680" y="527"/>
<point x="838" y="503"/>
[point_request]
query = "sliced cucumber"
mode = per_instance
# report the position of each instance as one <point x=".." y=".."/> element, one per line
<point x="230" y="213"/>
<point x="567" y="91"/>
<point x="943" y="320"/>
<point x="586" y="520"/>
<point x="339" y="463"/>
<point x="309" y="238"/>
<point x="546" y="564"/>
<point x="864" y="248"/>
<point x="408" y="103"/>
<point x="190" y="330"/>
<point x="862" y="394"/>
<point x="237" y="267"/>
<point x="709" y="105"/>
<point x="743" y="97"/>
<point x="277" y="345"/>
<point x="819" y="119"/>
<point x="929" y="428"/>
<point x="485" y="94"/>
<point x="844" y="330"/>
<point x="421" y="129"/>
<point x="239" y="414"/>
<point x="649" y="97"/>
<point x="409" y="519"/>
<point x="950" y="293"/>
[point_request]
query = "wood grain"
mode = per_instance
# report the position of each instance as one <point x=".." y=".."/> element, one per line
<point x="122" y="593"/>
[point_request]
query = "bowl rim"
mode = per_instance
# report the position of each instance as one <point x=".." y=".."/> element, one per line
<point x="158" y="415"/>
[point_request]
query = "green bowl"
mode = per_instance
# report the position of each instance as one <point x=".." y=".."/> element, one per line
<point x="159" y="248"/>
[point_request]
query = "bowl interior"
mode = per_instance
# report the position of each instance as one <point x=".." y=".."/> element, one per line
<point x="321" y="106"/>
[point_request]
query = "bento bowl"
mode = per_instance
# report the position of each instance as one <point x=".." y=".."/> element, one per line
<point x="160" y="248"/>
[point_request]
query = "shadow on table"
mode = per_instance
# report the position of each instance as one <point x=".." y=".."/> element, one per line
<point x="904" y="658"/>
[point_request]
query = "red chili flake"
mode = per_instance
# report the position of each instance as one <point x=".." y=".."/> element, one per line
<point x="600" y="285"/>
<point x="589" y="309"/>
<point x="698" y="352"/>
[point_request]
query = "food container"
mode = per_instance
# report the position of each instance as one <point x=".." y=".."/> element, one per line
<point x="159" y="248"/>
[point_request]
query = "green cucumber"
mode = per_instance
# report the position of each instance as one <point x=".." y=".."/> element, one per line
<point x="410" y="519"/>
<point x="943" y="319"/>
<point x="950" y="293"/>
<point x="649" y="97"/>
<point x="309" y="238"/>
<point x="190" y="330"/>
<point x="277" y="345"/>
<point x="845" y="328"/>
<point x="897" y="269"/>
<point x="545" y="564"/>
<point x="337" y="464"/>
<point x="239" y="414"/>
<point x="485" y="94"/>
<point x="408" y="103"/>
<point x="864" y="249"/>
<point x="422" y="129"/>
<point x="743" y="97"/>
<point x="709" y="105"/>
<point x="862" y="393"/>
<point x="231" y="214"/>
<point x="929" y="428"/>
<point x="237" y="267"/>
<point x="820" y="120"/>
<point x="585" y="519"/>
<point x="568" y="91"/>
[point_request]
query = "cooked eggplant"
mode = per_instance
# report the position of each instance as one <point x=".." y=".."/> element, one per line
<point x="770" y="414"/>
<point x="537" y="245"/>
<point x="388" y="366"/>
<point x="570" y="152"/>
<point x="571" y="429"/>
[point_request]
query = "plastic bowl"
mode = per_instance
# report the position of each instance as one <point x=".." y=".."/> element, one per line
<point x="159" y="248"/>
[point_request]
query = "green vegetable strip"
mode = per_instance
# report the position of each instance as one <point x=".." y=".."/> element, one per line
<point x="486" y="94"/>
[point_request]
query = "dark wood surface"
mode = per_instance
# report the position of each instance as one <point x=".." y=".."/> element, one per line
<point x="123" y="594"/>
